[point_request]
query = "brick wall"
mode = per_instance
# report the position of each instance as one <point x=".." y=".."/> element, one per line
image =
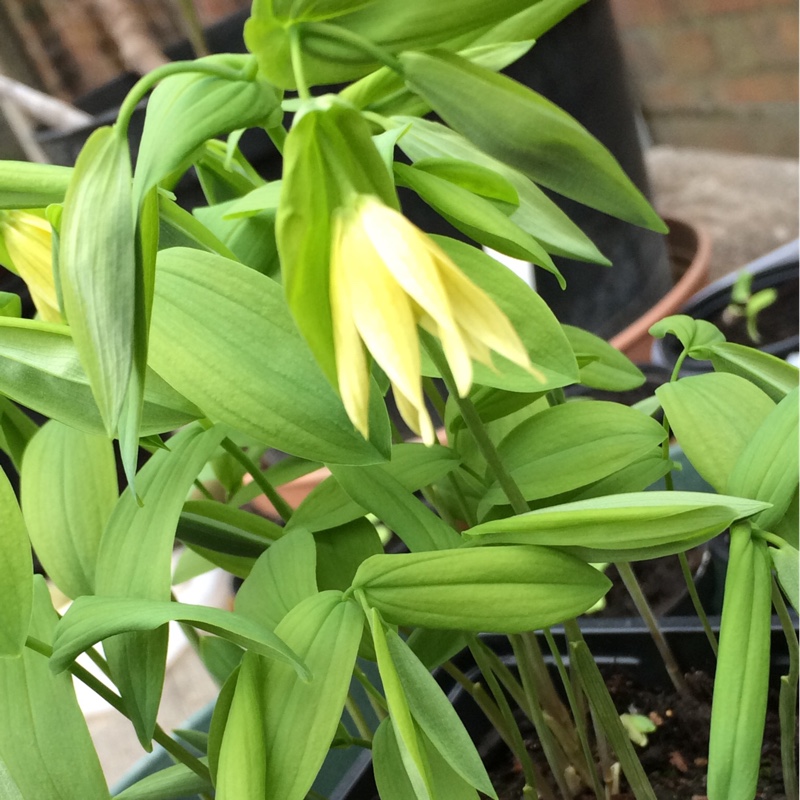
<point x="721" y="74"/>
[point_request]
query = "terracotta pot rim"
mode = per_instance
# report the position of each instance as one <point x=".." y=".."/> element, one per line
<point x="636" y="337"/>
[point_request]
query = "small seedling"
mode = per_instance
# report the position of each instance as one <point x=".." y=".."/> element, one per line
<point x="748" y="305"/>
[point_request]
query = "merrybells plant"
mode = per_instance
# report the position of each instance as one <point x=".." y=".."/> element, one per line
<point x="279" y="316"/>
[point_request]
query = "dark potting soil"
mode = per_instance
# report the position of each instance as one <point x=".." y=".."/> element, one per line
<point x="777" y="322"/>
<point x="661" y="580"/>
<point x="676" y="755"/>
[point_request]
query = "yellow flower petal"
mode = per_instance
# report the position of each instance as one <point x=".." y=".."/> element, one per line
<point x="28" y="239"/>
<point x="352" y="366"/>
<point x="416" y="416"/>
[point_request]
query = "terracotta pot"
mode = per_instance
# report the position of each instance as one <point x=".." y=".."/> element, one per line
<point x="293" y="492"/>
<point x="690" y="253"/>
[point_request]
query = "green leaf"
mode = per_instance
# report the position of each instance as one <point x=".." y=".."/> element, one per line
<point x="547" y="346"/>
<point x="774" y="376"/>
<point x="44" y="742"/>
<point x="282" y="578"/>
<point x="391" y="776"/>
<point x="16" y="430"/>
<point x="739" y="707"/>
<point x="220" y="657"/>
<point x="92" y="619"/>
<point x="135" y="561"/>
<point x="195" y="107"/>
<point x="401" y="511"/>
<point x="27" y="185"/>
<point x="696" y="335"/>
<point x="475" y="178"/>
<point x="16" y="588"/>
<point x="414" y="465"/>
<point x="10" y="305"/>
<point x="532" y="22"/>
<point x="608" y="369"/>
<point x="224" y="173"/>
<point x="713" y="417"/>
<point x="767" y="468"/>
<point x="171" y="782"/>
<point x="69" y="489"/>
<point x="219" y="721"/>
<point x="40" y="369"/>
<point x="408" y="737"/>
<point x="98" y="233"/>
<point x="341" y="550"/>
<point x="178" y="228"/>
<point x="474" y="215"/>
<point x="786" y="561"/>
<point x="260" y="376"/>
<point x="537" y="214"/>
<point x="523" y="129"/>
<point x="295" y="720"/>
<point x="437" y="718"/>
<point x="572" y="445"/>
<point x="502" y="589"/>
<point x="622" y="527"/>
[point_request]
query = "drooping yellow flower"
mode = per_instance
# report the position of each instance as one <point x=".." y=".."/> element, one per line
<point x="387" y="277"/>
<point x="28" y="240"/>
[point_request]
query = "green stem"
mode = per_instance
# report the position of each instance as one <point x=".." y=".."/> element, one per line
<point x="281" y="506"/>
<point x="555" y="757"/>
<point x="787" y="699"/>
<point x="476" y="428"/>
<point x="518" y="744"/>
<point x="334" y="33"/>
<point x="769" y="538"/>
<point x="482" y="699"/>
<point x="463" y="505"/>
<point x="147" y="82"/>
<point x="436" y="399"/>
<point x="174" y="748"/>
<point x="376" y="698"/>
<point x="698" y="606"/>
<point x="580" y="721"/>
<point x="296" y="51"/>
<point x="201" y="487"/>
<point x="643" y="607"/>
<point x="360" y="721"/>
<point x="556" y="397"/>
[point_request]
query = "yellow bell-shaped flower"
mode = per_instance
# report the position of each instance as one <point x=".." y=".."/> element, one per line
<point x="387" y="277"/>
<point x="28" y="240"/>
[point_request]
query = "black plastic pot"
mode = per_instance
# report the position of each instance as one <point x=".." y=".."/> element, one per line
<point x="778" y="269"/>
<point x="624" y="643"/>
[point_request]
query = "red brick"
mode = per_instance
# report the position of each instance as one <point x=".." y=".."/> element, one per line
<point x="766" y="87"/>
<point x="775" y="36"/>
<point x="644" y="54"/>
<point x="670" y="94"/>
<point x="638" y="13"/>
<point x="703" y="7"/>
<point x="691" y="51"/>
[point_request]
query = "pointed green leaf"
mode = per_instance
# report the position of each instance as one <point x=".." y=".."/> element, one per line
<point x="767" y="468"/>
<point x="523" y="129"/>
<point x="502" y="589"/>
<point x="739" y="707"/>
<point x="178" y="228"/>
<point x="413" y="465"/>
<point x="27" y="185"/>
<point x="219" y="721"/>
<point x="195" y="107"/>
<point x="260" y="376"/>
<point x="16" y="587"/>
<point x="44" y="742"/>
<point x="340" y="552"/>
<point x="622" y="527"/>
<point x="696" y="335"/>
<point x="475" y="178"/>
<point x="436" y="717"/>
<point x="16" y="430"/>
<point x="474" y="215"/>
<point x="713" y="417"/>
<point x="608" y="369"/>
<point x="774" y="376"/>
<point x="66" y="525"/>
<point x="572" y="445"/>
<point x="40" y="369"/>
<point x="786" y="561"/>
<point x="97" y="268"/>
<point x="281" y="578"/>
<point x="401" y="511"/>
<point x="532" y="22"/>
<point x="175" y="781"/>
<point x="135" y="561"/>
<point x="537" y="214"/>
<point x="287" y="738"/>
<point x="92" y="619"/>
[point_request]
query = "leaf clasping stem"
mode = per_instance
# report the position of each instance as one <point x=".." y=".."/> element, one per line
<point x="334" y="33"/>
